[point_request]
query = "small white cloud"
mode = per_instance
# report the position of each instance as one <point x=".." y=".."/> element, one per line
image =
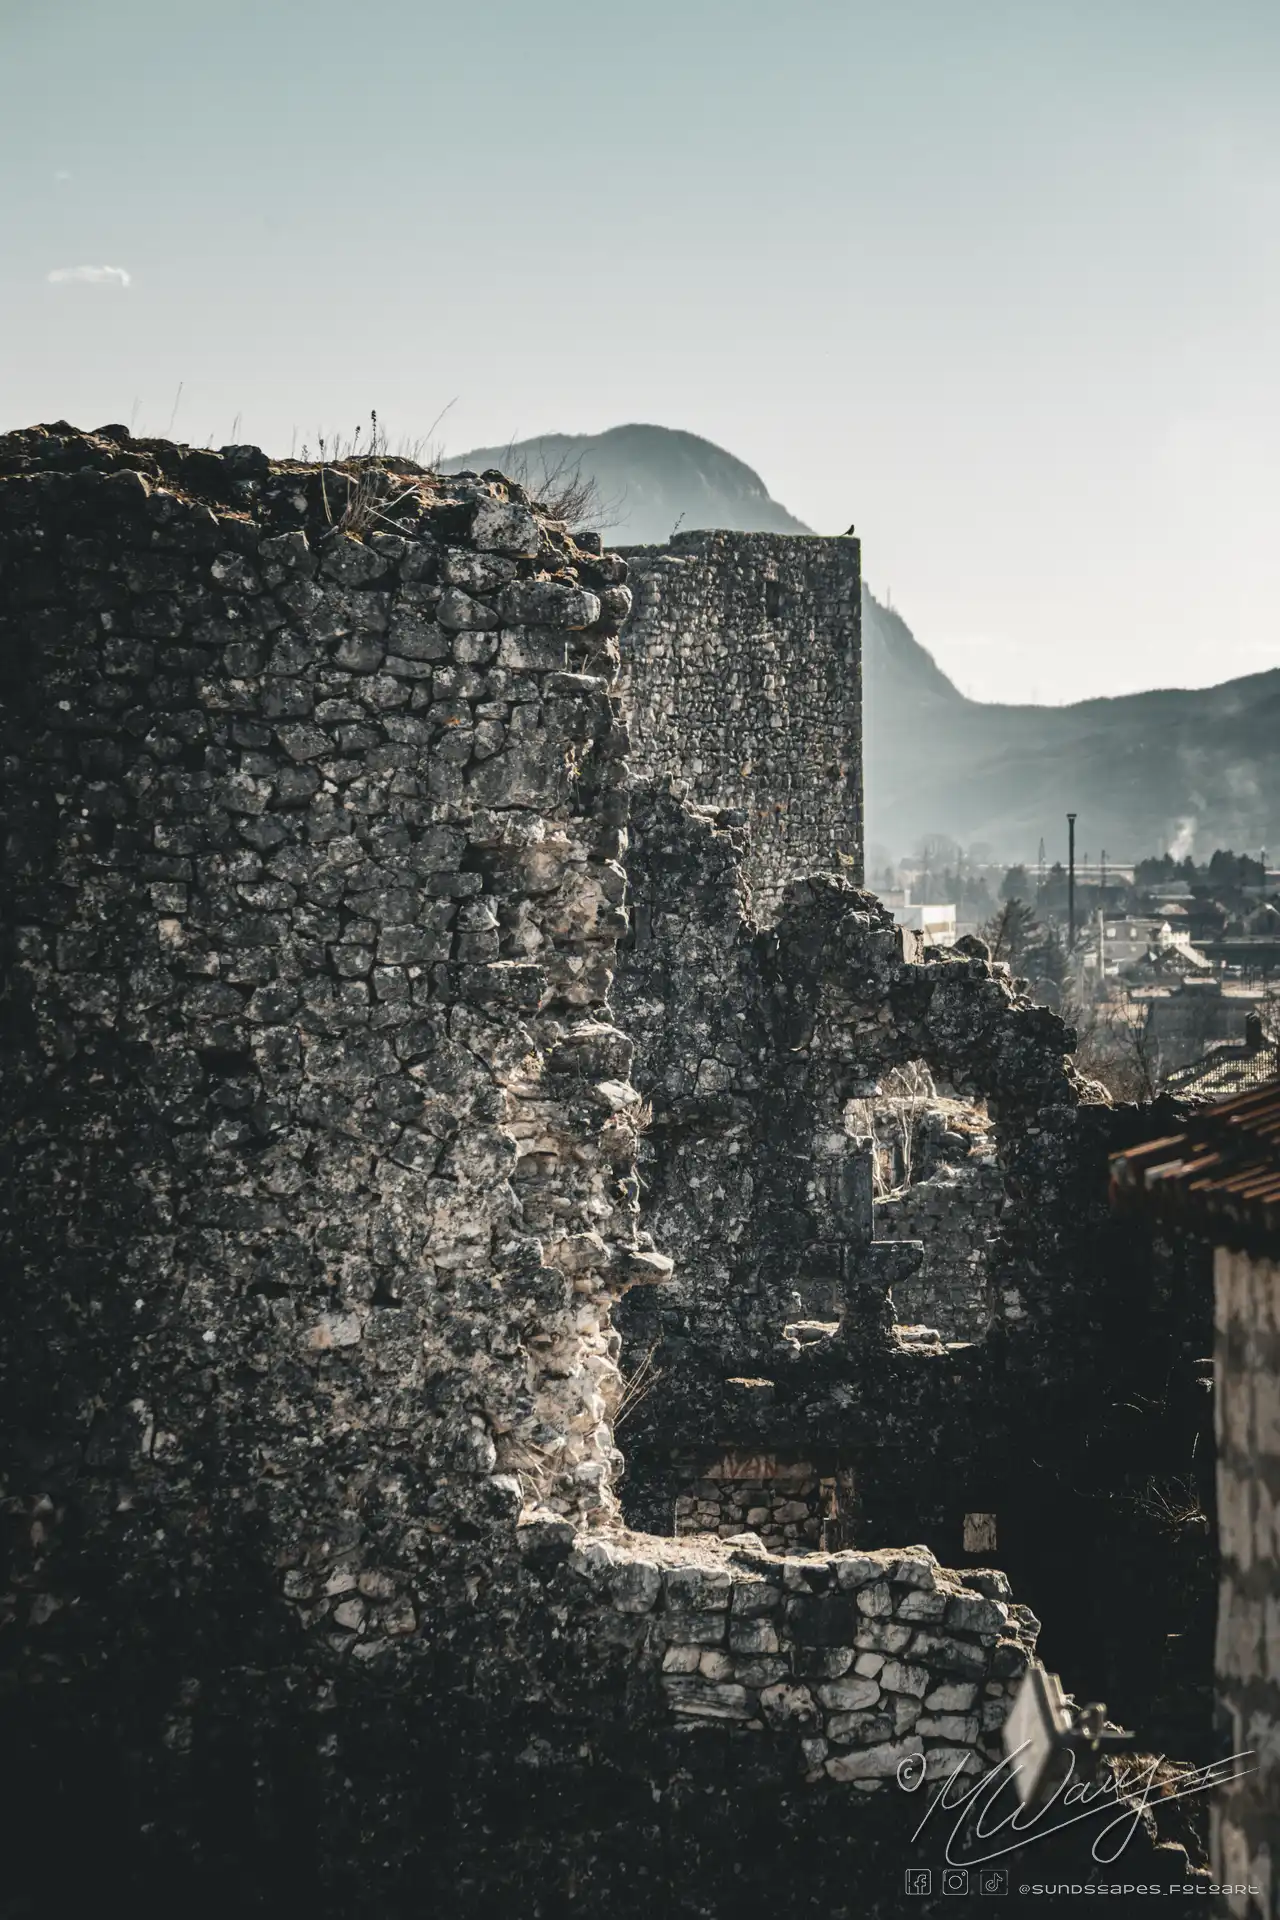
<point x="63" y="173"/>
<point x="90" y="276"/>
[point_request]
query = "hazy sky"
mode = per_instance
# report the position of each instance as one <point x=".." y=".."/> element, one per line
<point x="999" y="282"/>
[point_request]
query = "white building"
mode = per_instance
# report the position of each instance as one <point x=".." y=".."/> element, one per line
<point x="936" y="923"/>
<point x="1113" y="944"/>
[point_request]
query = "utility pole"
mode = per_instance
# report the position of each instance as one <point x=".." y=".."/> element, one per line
<point x="1071" y="881"/>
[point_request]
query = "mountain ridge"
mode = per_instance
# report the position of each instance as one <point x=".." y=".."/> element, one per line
<point x="647" y="479"/>
<point x="1142" y="770"/>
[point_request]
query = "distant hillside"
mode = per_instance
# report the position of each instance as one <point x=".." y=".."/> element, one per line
<point x="647" y="479"/>
<point x="1200" y="767"/>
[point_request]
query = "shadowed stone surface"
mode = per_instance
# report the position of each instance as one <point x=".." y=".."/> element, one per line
<point x="322" y="1134"/>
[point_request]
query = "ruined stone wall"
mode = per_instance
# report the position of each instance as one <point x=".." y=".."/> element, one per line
<point x="312" y="869"/>
<point x="1246" y="1821"/>
<point x="874" y="1661"/>
<point x="320" y="1148"/>
<point x="954" y="1212"/>
<point x="742" y="678"/>
<point x="750" y="1046"/>
<point x="777" y="1331"/>
<point x="318" y="1138"/>
<point x="788" y="1503"/>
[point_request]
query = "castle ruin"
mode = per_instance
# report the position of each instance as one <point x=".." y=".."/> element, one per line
<point x="440" y="998"/>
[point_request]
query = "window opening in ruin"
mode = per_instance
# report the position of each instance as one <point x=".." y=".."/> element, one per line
<point x="773" y="599"/>
<point x="891" y="1120"/>
<point x="790" y="1503"/>
<point x="936" y="1180"/>
<point x="980" y="1533"/>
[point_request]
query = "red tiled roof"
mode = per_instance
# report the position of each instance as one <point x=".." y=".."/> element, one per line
<point x="1220" y="1177"/>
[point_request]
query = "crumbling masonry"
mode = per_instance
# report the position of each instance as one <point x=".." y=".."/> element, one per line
<point x="375" y="1026"/>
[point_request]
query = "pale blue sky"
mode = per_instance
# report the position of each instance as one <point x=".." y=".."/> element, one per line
<point x="999" y="280"/>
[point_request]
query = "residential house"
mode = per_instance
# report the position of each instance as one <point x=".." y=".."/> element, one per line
<point x="1220" y="1178"/>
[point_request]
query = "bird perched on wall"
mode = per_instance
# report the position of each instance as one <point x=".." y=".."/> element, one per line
<point x="848" y="530"/>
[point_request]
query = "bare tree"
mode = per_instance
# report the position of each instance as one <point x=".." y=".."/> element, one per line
<point x="891" y="1120"/>
<point x="1116" y="1046"/>
<point x="560" y="488"/>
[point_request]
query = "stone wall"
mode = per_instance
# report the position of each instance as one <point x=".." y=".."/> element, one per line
<point x="322" y="1147"/>
<point x="751" y="1045"/>
<point x="788" y="1503"/>
<point x="938" y="1184"/>
<point x="312" y="872"/>
<point x="319" y="1138"/>
<point x="875" y="1661"/>
<point x="1246" y="1824"/>
<point x="953" y="1208"/>
<point x="778" y="1331"/>
<point x="742" y="678"/>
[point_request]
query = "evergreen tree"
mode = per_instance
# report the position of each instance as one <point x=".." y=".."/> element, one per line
<point x="1047" y="963"/>
<point x="1011" y="932"/>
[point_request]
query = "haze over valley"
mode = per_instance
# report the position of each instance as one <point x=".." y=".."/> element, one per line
<point x="1191" y="769"/>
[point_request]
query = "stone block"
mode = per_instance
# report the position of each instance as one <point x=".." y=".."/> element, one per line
<point x="786" y="1704"/>
<point x="960" y="1727"/>
<point x="898" y="1676"/>
<point x="950" y="1656"/>
<point x="706" y="1699"/>
<point x="845" y="1696"/>
<point x="459" y="612"/>
<point x="822" y="1663"/>
<point x="861" y="1729"/>
<point x="1009" y="1660"/>
<point x="695" y="1629"/>
<point x="504" y="526"/>
<point x="681" y="1659"/>
<point x="548" y="603"/>
<point x="922" y="1606"/>
<point x="974" y="1613"/>
<point x="916" y="1568"/>
<point x="882" y="1636"/>
<point x="698" y="1589"/>
<point x="634" y="1586"/>
<point x="906" y="1711"/>
<point x="876" y="1602"/>
<point x="953" y="1696"/>
<point x="879" y="1762"/>
<point x="754" y="1597"/>
<point x="753" y="1635"/>
<point x="763" y="1671"/>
